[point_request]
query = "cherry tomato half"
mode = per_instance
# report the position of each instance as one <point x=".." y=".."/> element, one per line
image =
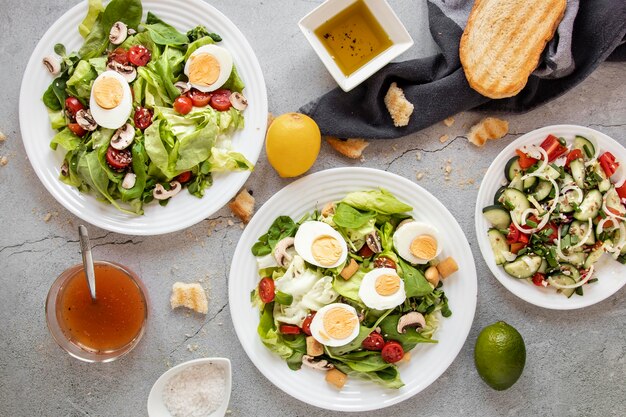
<point x="139" y="55"/>
<point x="76" y="129"/>
<point x="72" y="105"/>
<point x="184" y="177"/>
<point x="306" y="324"/>
<point x="183" y="104"/>
<point x="119" y="55"/>
<point x="266" y="290"/>
<point x="538" y="279"/>
<point x="392" y="352"/>
<point x="117" y="159"/>
<point x="199" y="98"/>
<point x="220" y="100"/>
<point x="289" y="329"/>
<point x="142" y="118"/>
<point x="384" y="262"/>
<point x="365" y="251"/>
<point x="374" y="341"/>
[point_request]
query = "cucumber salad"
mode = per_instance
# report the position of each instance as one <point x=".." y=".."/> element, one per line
<point x="143" y="110"/>
<point x="561" y="209"/>
<point x="351" y="289"/>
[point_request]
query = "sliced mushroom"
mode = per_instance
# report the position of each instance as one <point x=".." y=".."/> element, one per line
<point x="182" y="86"/>
<point x="412" y="319"/>
<point x="131" y="31"/>
<point x="127" y="71"/>
<point x="123" y="137"/>
<point x="86" y="120"/>
<point x="373" y="242"/>
<point x="52" y="64"/>
<point x="160" y="193"/>
<point x="129" y="181"/>
<point x="65" y="169"/>
<point x="238" y="101"/>
<point x="280" y="251"/>
<point x="322" y="364"/>
<point x="118" y="33"/>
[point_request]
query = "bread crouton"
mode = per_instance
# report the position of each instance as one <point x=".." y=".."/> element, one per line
<point x="489" y="128"/>
<point x="313" y="347"/>
<point x="191" y="296"/>
<point x="398" y="106"/>
<point x="349" y="270"/>
<point x="447" y="267"/>
<point x="336" y="378"/>
<point x="351" y="148"/>
<point x="243" y="206"/>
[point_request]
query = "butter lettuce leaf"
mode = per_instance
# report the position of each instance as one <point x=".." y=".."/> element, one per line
<point x="381" y="201"/>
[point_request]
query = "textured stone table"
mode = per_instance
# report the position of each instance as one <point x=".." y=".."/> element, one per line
<point x="576" y="360"/>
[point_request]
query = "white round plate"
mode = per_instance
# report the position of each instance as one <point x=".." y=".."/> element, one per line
<point x="427" y="363"/>
<point x="610" y="273"/>
<point x="184" y="210"/>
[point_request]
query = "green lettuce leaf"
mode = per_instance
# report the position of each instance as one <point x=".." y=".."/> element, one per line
<point x="196" y="147"/>
<point x="93" y="12"/>
<point x="350" y="288"/>
<point x="388" y="377"/>
<point x="197" y="44"/>
<point x="68" y="140"/>
<point x="163" y="33"/>
<point x="409" y="339"/>
<point x="127" y="11"/>
<point x="380" y="201"/>
<point x="156" y="149"/>
<point x="415" y="284"/>
<point x="79" y="84"/>
<point x="57" y="119"/>
<point x="282" y="227"/>
<point x="234" y="82"/>
<point x="223" y="160"/>
<point x="349" y="217"/>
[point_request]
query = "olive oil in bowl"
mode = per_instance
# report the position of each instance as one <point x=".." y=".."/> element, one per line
<point x="353" y="37"/>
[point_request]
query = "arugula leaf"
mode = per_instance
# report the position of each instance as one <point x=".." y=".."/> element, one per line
<point x="93" y="12"/>
<point x="282" y="227"/>
<point x="415" y="284"/>
<point x="380" y="201"/>
<point x="389" y="328"/>
<point x="351" y="218"/>
<point x="163" y="33"/>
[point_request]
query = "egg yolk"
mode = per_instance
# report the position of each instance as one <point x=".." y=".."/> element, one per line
<point x="108" y="92"/>
<point x="339" y="323"/>
<point x="424" y="247"/>
<point x="204" y="69"/>
<point x="326" y="250"/>
<point x="387" y="284"/>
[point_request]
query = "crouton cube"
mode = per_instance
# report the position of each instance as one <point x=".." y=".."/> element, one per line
<point x="313" y="347"/>
<point x="243" y="206"/>
<point x="447" y="267"/>
<point x="336" y="378"/>
<point x="349" y="270"/>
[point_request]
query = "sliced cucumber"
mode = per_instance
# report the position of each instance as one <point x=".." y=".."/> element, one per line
<point x="498" y="245"/>
<point x="613" y="201"/>
<point x="551" y="173"/>
<point x="578" y="172"/>
<point x="518" y="200"/>
<point x="563" y="280"/>
<point x="530" y="182"/>
<point x="585" y="146"/>
<point x="496" y="198"/>
<point x="590" y="207"/>
<point x="512" y="168"/>
<point x="543" y="267"/>
<point x="564" y="201"/>
<point x="567" y="179"/>
<point x="579" y="229"/>
<point x="575" y="258"/>
<point x="542" y="190"/>
<point x="570" y="271"/>
<point x="517" y="183"/>
<point x="498" y="216"/>
<point x="605" y="183"/>
<point x="593" y="257"/>
<point x="524" y="266"/>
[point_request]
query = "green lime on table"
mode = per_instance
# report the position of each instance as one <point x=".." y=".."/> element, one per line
<point x="500" y="355"/>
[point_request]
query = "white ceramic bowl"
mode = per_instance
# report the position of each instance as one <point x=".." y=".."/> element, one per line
<point x="184" y="210"/>
<point x="400" y="38"/>
<point x="156" y="406"/>
<point x="610" y="273"/>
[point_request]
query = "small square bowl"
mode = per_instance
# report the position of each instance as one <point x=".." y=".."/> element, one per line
<point x="400" y="38"/>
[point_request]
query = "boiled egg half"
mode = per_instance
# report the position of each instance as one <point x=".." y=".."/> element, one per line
<point x="209" y="67"/>
<point x="111" y="101"/>
<point x="336" y="324"/>
<point x="321" y="245"/>
<point x="382" y="288"/>
<point x="417" y="242"/>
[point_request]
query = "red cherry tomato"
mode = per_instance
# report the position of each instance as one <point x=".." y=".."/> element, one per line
<point x="119" y="55"/>
<point x="554" y="147"/>
<point x="266" y="290"/>
<point x="306" y="324"/>
<point x="374" y="341"/>
<point x="199" y="98"/>
<point x="76" y="129"/>
<point x="365" y="251"/>
<point x="117" y="159"/>
<point x="289" y="329"/>
<point x="142" y="118"/>
<point x="139" y="55"/>
<point x="184" y="177"/>
<point x="72" y="105"/>
<point x="183" y="104"/>
<point x="573" y="155"/>
<point x="538" y="279"/>
<point x="220" y="100"/>
<point x="392" y="352"/>
<point x="384" y="262"/>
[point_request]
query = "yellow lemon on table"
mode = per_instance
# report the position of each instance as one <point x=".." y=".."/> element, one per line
<point x="292" y="144"/>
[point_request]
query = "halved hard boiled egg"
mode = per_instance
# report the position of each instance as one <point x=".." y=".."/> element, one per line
<point x="382" y="288"/>
<point x="417" y="242"/>
<point x="111" y="101"/>
<point x="321" y="245"/>
<point x="209" y="67"/>
<point x="336" y="324"/>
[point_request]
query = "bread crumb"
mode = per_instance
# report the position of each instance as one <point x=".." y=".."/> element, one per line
<point x="489" y="128"/>
<point x="419" y="176"/>
<point x="398" y="106"/>
<point x="191" y="296"/>
<point x="4" y="161"/>
<point x="230" y="223"/>
<point x="449" y="121"/>
<point x="418" y="155"/>
<point x="47" y="217"/>
<point x="192" y="348"/>
<point x="352" y="147"/>
<point x="3" y="137"/>
<point x="242" y="206"/>
<point x="444" y="138"/>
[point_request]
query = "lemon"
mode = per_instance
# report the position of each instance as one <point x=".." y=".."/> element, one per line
<point x="292" y="144"/>
<point x="500" y="355"/>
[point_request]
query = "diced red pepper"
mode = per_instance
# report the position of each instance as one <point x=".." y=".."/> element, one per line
<point x="516" y="247"/>
<point x="289" y="329"/>
<point x="513" y="235"/>
<point x="524" y="160"/>
<point x="553" y="147"/>
<point x="538" y="279"/>
<point x="608" y="163"/>
<point x="621" y="191"/>
<point x="573" y="155"/>
<point x="523" y="238"/>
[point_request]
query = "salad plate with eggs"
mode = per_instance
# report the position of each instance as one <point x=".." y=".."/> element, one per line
<point x="145" y="103"/>
<point x="358" y="289"/>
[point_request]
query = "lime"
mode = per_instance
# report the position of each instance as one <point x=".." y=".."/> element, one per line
<point x="292" y="144"/>
<point x="500" y="355"/>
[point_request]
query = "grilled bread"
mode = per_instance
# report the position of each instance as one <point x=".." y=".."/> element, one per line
<point x="398" y="106"/>
<point x="503" y="41"/>
<point x="191" y="296"/>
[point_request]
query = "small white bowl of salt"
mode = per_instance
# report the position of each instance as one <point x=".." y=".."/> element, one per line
<point x="197" y="388"/>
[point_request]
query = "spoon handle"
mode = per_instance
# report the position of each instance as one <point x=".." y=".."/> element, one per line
<point x="85" y="250"/>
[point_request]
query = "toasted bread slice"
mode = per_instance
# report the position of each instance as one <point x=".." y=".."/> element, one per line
<point x="503" y="41"/>
<point x="490" y="128"/>
<point x="191" y="296"/>
<point x="398" y="106"/>
<point x="243" y="206"/>
<point x="351" y="148"/>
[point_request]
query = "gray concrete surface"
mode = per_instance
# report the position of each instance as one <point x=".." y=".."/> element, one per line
<point x="576" y="360"/>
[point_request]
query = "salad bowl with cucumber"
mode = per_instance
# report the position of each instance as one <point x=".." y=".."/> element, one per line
<point x="551" y="217"/>
<point x="144" y="105"/>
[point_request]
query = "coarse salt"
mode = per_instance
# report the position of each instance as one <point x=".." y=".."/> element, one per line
<point x="196" y="391"/>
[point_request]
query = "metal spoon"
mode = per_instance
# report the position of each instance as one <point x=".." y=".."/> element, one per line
<point x="85" y="250"/>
